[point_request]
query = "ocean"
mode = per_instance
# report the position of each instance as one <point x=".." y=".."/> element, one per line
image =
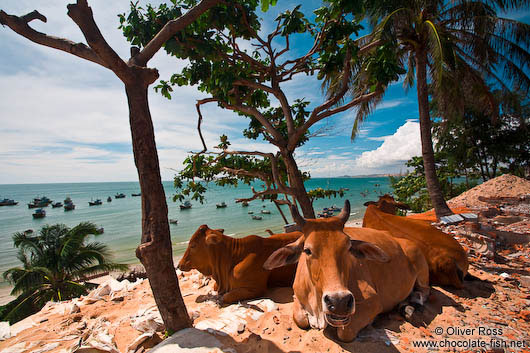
<point x="121" y="218"/>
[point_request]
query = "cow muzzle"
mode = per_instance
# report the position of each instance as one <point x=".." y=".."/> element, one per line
<point x="338" y="308"/>
<point x="184" y="266"/>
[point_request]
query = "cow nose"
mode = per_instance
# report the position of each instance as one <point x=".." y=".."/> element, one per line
<point x="340" y="302"/>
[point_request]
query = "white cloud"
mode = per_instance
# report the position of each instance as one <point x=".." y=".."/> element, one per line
<point x="378" y="138"/>
<point x="396" y="149"/>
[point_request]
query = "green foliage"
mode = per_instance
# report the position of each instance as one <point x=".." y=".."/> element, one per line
<point x="469" y="46"/>
<point x="412" y="188"/>
<point x="53" y="263"/>
<point x="320" y="193"/>
<point x="246" y="80"/>
<point x="478" y="144"/>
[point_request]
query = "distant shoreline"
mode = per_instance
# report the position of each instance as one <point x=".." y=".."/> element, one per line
<point x="170" y="181"/>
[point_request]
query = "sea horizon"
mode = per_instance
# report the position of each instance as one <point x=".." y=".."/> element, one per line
<point x="121" y="218"/>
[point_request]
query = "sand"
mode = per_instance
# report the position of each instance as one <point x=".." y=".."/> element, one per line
<point x="505" y="185"/>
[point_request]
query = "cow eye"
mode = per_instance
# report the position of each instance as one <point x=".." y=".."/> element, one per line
<point x="307" y="251"/>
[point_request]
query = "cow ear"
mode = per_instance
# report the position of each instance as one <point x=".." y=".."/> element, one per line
<point x="287" y="255"/>
<point x="369" y="251"/>
<point x="213" y="238"/>
<point x="370" y="203"/>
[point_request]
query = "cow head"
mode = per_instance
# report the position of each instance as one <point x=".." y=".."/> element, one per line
<point x="387" y="204"/>
<point x="332" y="260"/>
<point x="197" y="255"/>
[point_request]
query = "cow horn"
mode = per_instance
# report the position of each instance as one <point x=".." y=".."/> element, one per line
<point x="299" y="220"/>
<point x="345" y="213"/>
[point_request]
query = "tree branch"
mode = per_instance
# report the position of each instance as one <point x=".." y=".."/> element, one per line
<point x="260" y="194"/>
<point x="20" y="26"/>
<point x="170" y="29"/>
<point x="278" y="138"/>
<point x="82" y="15"/>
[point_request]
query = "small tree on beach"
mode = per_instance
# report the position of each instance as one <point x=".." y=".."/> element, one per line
<point x="246" y="82"/>
<point x="54" y="263"/>
<point x="155" y="251"/>
<point x="459" y="47"/>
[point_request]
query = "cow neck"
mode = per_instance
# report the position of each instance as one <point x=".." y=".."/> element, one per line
<point x="229" y="253"/>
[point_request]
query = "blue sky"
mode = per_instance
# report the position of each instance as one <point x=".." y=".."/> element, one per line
<point x="64" y="119"/>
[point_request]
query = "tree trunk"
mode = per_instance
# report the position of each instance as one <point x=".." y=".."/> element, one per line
<point x="296" y="183"/>
<point x="155" y="250"/>
<point x="433" y="185"/>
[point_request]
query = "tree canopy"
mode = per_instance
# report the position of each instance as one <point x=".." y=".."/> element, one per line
<point x="250" y="83"/>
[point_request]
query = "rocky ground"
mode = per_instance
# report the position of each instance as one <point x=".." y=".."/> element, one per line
<point x="491" y="313"/>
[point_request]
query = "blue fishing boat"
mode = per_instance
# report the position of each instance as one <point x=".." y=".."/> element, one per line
<point x="8" y="202"/>
<point x="39" y="213"/>
<point x="95" y="203"/>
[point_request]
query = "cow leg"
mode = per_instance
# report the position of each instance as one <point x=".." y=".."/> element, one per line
<point x="300" y="315"/>
<point x="364" y="315"/>
<point x="239" y="294"/>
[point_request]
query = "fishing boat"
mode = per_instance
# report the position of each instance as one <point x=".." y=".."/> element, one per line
<point x="39" y="202"/>
<point x="186" y="205"/>
<point x="8" y="202"/>
<point x="95" y="203"/>
<point x="109" y="199"/>
<point x="69" y="206"/>
<point x="138" y="194"/>
<point x="325" y="214"/>
<point x="250" y="212"/>
<point x="119" y="196"/>
<point x="334" y="208"/>
<point x="57" y="204"/>
<point x="67" y="200"/>
<point x="39" y="213"/>
<point x="257" y="218"/>
<point x="221" y="205"/>
<point x="173" y="221"/>
<point x="265" y="211"/>
<point x="244" y="204"/>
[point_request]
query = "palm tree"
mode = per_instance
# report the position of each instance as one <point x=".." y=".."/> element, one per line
<point x="55" y="261"/>
<point x="451" y="49"/>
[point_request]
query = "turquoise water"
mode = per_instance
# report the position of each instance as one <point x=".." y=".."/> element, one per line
<point x="121" y="218"/>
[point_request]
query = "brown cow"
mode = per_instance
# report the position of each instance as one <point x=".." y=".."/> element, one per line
<point x="448" y="263"/>
<point x="235" y="264"/>
<point x="346" y="277"/>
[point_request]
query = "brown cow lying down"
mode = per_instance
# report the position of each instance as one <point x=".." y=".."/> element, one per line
<point x="447" y="259"/>
<point x="235" y="264"/>
<point x="346" y="280"/>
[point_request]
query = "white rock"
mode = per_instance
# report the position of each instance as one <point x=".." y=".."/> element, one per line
<point x="194" y="314"/>
<point x="233" y="319"/>
<point x="46" y="348"/>
<point x="5" y="330"/>
<point x="265" y="304"/>
<point x="133" y="346"/>
<point x="16" y="348"/>
<point x="73" y="308"/>
<point x="191" y="340"/>
<point x="147" y="320"/>
<point x="23" y="325"/>
<point x="95" y="349"/>
<point x="102" y="290"/>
